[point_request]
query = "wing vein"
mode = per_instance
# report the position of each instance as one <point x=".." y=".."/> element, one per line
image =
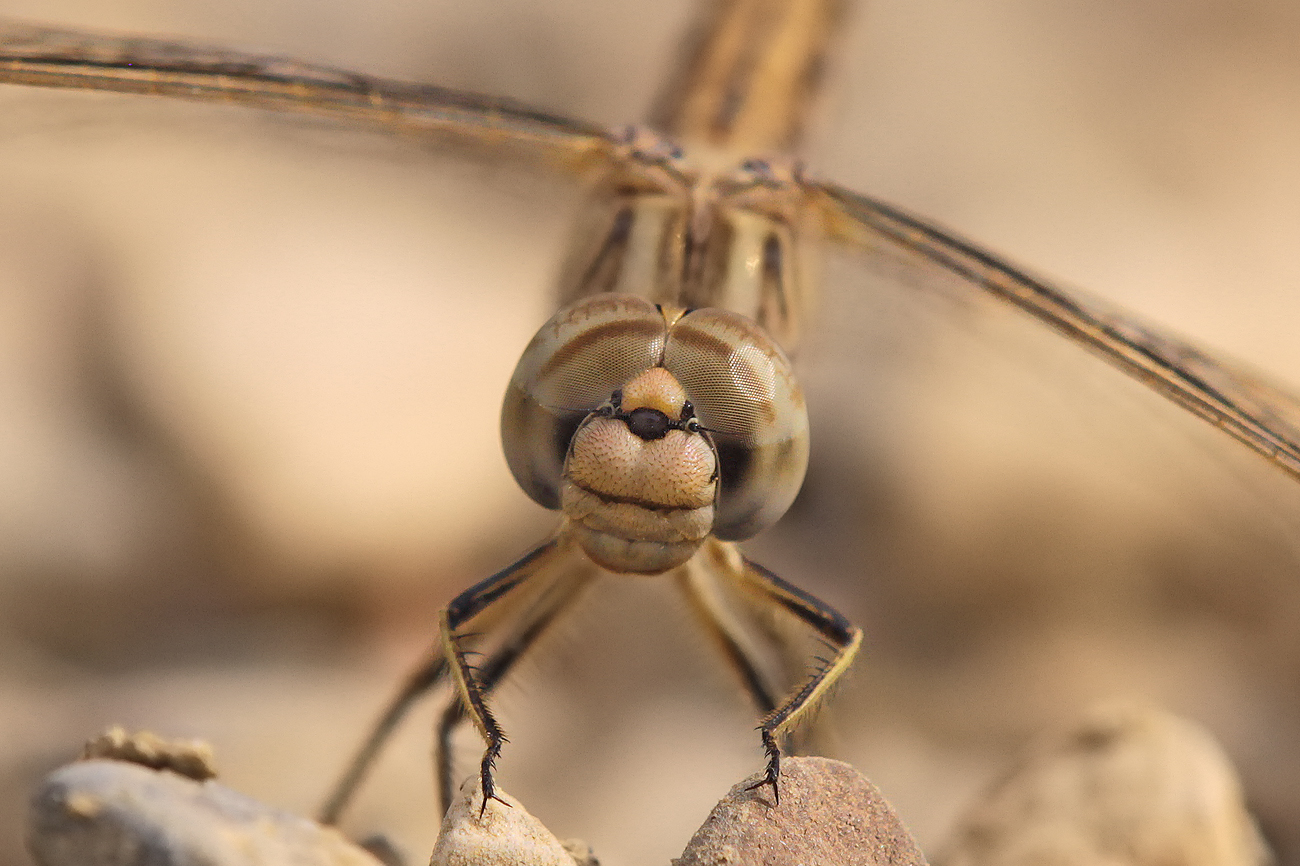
<point x="1255" y="412"/>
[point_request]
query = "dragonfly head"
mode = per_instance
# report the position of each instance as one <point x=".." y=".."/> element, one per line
<point x="652" y="428"/>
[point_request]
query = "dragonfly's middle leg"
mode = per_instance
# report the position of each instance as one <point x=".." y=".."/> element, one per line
<point x="417" y="683"/>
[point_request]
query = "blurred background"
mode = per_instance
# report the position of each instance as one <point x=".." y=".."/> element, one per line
<point x="252" y="369"/>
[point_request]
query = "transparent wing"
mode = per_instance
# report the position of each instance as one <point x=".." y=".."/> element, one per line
<point x="1263" y="416"/>
<point x="1030" y="524"/>
<point x="192" y="250"/>
<point x="51" y="57"/>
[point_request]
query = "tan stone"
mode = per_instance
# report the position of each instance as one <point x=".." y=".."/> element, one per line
<point x="501" y="834"/>
<point x="829" y="814"/>
<point x="1126" y="786"/>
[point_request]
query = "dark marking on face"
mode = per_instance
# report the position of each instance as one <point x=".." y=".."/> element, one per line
<point x="648" y="424"/>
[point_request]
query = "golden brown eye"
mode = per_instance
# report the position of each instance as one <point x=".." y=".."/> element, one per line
<point x="744" y="393"/>
<point x="574" y="364"/>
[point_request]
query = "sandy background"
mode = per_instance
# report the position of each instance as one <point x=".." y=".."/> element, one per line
<point x="251" y="374"/>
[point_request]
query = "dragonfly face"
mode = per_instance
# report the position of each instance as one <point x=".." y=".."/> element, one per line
<point x="956" y="572"/>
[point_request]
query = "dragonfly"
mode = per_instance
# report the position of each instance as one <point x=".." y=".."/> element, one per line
<point x="1242" y="404"/>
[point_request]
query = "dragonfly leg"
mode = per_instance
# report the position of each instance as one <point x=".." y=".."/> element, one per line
<point x="708" y="610"/>
<point x="431" y="670"/>
<point x="842" y="635"/>
<point x="420" y="680"/>
<point x="469" y="680"/>
<point x="521" y="637"/>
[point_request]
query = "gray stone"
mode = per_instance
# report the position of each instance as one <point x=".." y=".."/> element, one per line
<point x="113" y="813"/>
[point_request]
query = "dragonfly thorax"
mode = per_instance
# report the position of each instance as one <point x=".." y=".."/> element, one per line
<point x="696" y="229"/>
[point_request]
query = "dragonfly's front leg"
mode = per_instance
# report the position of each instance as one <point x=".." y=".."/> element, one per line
<point x="841" y="634"/>
<point x="472" y="683"/>
<point x="552" y="559"/>
<point x="573" y="576"/>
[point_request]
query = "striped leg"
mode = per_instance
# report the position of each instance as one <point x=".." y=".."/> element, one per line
<point x="470" y="684"/>
<point x="557" y="598"/>
<point x="425" y="677"/>
<point x="415" y="686"/>
<point x="845" y="637"/>
<point x="709" y="610"/>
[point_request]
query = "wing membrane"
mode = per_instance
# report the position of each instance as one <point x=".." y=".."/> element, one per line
<point x="52" y="57"/>
<point x="1262" y="415"/>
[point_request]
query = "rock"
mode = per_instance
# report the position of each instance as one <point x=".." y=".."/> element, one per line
<point x="581" y="852"/>
<point x="190" y="758"/>
<point x="829" y="814"/>
<point x="504" y="834"/>
<point x="113" y="813"/>
<point x="1128" y="786"/>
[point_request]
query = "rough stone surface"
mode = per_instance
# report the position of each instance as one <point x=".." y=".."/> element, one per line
<point x="190" y="758"/>
<point x="829" y="814"/>
<point x="113" y="813"/>
<point x="505" y="834"/>
<point x="1127" y="786"/>
<point x="581" y="852"/>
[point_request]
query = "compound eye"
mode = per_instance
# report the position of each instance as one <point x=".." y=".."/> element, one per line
<point x="576" y="361"/>
<point x="744" y="393"/>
